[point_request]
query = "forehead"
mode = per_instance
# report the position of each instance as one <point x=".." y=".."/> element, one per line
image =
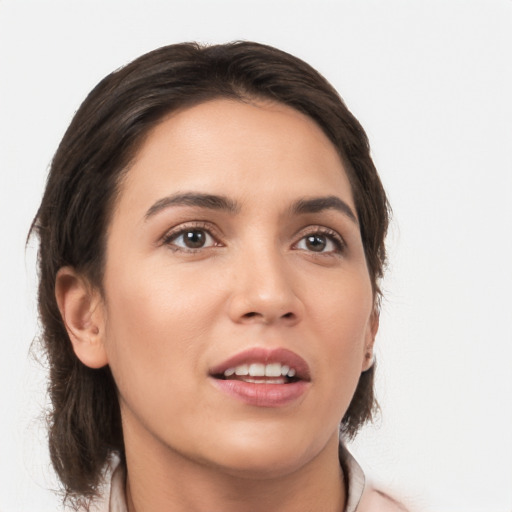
<point x="237" y="148"/>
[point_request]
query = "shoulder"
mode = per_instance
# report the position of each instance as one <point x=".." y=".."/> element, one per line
<point x="373" y="500"/>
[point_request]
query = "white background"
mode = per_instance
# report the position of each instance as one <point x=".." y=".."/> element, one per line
<point x="431" y="81"/>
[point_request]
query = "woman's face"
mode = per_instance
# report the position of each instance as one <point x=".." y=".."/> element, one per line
<point x="234" y="257"/>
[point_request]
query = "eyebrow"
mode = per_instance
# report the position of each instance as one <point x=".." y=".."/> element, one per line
<point x="208" y="201"/>
<point x="222" y="203"/>
<point x="318" y="204"/>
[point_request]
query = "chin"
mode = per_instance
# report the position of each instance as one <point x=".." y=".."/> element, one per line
<point x="262" y="466"/>
<point x="263" y="454"/>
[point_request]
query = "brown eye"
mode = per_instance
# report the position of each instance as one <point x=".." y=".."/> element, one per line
<point x="321" y="242"/>
<point x="194" y="239"/>
<point x="191" y="239"/>
<point x="316" y="243"/>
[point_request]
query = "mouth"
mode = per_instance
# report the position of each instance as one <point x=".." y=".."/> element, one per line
<point x="263" y="366"/>
<point x="260" y="373"/>
<point x="261" y="377"/>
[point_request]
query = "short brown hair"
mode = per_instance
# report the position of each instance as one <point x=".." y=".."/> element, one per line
<point x="72" y="220"/>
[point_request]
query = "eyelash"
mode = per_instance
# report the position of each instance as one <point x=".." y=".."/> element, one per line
<point x="174" y="234"/>
<point x="170" y="237"/>
<point x="330" y="234"/>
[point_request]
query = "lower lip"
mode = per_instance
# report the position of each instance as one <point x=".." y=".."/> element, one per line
<point x="262" y="395"/>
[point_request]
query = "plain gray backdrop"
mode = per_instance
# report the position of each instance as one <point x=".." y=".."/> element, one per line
<point x="431" y="82"/>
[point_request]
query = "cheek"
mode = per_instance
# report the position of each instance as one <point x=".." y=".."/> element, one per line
<point x="341" y="317"/>
<point x="155" y="330"/>
<point x="341" y="309"/>
<point x="156" y="303"/>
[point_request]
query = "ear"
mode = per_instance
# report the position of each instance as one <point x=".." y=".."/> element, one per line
<point x="82" y="311"/>
<point x="373" y="327"/>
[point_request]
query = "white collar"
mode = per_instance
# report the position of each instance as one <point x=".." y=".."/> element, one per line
<point x="354" y="478"/>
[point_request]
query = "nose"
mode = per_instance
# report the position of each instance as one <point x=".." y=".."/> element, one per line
<point x="264" y="291"/>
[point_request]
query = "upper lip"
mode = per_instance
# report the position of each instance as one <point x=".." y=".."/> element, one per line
<point x="265" y="356"/>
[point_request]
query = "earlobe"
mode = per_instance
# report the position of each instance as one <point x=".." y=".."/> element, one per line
<point x="81" y="308"/>
<point x="373" y="327"/>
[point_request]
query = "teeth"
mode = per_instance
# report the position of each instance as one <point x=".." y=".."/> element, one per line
<point x="280" y="380"/>
<point x="261" y="370"/>
<point x="242" y="370"/>
<point x="273" y="370"/>
<point x="257" y="370"/>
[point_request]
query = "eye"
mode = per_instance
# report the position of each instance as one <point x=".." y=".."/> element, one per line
<point x="321" y="242"/>
<point x="190" y="239"/>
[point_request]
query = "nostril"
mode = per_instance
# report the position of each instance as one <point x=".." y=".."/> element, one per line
<point x="258" y="316"/>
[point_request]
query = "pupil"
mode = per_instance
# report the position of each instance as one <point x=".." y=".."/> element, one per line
<point x="316" y="243"/>
<point x="194" y="239"/>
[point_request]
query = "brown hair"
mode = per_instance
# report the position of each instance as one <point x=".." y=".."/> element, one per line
<point x="72" y="220"/>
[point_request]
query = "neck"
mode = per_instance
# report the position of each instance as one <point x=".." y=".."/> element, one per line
<point x="160" y="479"/>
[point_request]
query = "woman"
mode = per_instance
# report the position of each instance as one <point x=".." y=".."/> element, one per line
<point x="211" y="244"/>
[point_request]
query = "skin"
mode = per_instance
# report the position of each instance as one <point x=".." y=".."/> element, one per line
<point x="167" y="314"/>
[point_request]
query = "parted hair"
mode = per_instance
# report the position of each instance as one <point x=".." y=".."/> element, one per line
<point x="71" y="223"/>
